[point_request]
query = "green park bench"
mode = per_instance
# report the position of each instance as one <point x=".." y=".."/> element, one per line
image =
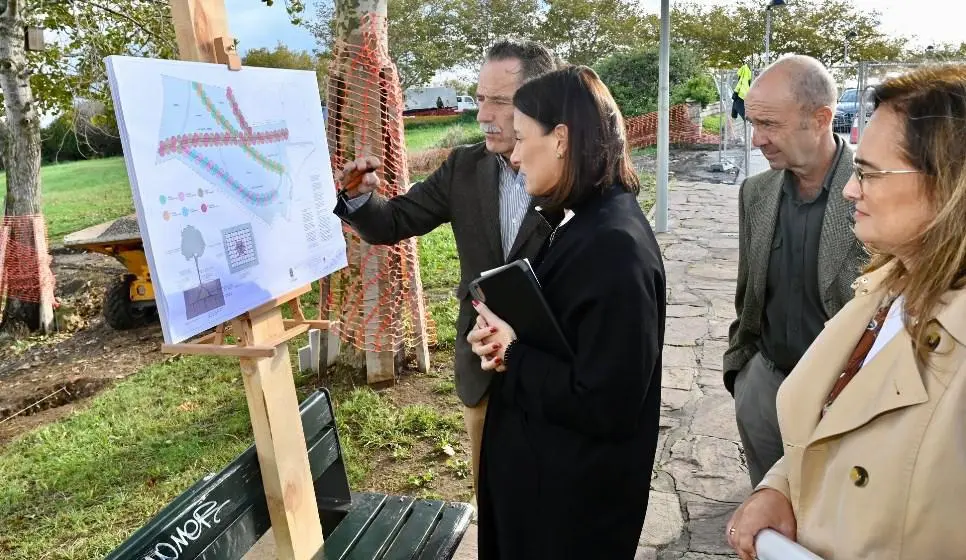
<point x="223" y="515"/>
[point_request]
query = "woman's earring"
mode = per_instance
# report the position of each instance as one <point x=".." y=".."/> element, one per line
<point x="559" y="155"/>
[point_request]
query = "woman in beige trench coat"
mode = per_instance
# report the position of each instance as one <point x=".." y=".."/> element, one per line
<point x="873" y="418"/>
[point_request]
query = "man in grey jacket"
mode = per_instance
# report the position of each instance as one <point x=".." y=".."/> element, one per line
<point x="798" y="256"/>
<point x="480" y="194"/>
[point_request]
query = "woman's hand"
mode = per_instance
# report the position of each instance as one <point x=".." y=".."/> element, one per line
<point x="764" y="509"/>
<point x="489" y="338"/>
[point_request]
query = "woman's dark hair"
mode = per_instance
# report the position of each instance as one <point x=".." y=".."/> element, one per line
<point x="597" y="154"/>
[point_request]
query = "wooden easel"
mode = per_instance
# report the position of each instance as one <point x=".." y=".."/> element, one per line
<point x="262" y="347"/>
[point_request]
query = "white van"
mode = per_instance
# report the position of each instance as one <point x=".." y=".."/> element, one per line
<point x="465" y="103"/>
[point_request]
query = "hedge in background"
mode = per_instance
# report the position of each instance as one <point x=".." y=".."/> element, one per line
<point x="632" y="79"/>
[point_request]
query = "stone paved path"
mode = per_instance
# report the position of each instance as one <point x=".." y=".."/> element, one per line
<point x="699" y="476"/>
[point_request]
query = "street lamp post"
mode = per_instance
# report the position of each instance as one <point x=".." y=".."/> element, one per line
<point x="771" y="4"/>
<point x="663" y="120"/>
<point x="850" y="36"/>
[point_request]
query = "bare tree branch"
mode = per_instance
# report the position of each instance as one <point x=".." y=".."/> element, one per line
<point x="128" y="18"/>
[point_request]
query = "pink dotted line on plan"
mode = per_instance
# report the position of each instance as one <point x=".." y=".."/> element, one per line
<point x="257" y="199"/>
<point x="237" y="111"/>
<point x="265" y="162"/>
<point x="184" y="142"/>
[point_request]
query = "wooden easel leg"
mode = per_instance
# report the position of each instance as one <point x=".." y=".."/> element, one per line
<point x="280" y="441"/>
<point x="219" y="338"/>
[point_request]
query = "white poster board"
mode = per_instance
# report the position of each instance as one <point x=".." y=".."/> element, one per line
<point x="232" y="185"/>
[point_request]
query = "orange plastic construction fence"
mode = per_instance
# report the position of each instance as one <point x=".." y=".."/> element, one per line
<point x="377" y="299"/>
<point x="642" y="130"/>
<point x="25" y="271"/>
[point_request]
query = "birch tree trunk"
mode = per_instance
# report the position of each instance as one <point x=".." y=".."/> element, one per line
<point x="20" y="144"/>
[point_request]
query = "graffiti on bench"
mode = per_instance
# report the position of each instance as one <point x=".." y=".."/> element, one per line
<point x="201" y="518"/>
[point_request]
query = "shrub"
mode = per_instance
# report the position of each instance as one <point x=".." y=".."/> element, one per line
<point x="423" y="163"/>
<point x="58" y="142"/>
<point x="632" y="78"/>
<point x="700" y="88"/>
<point x="84" y="137"/>
<point x="712" y="124"/>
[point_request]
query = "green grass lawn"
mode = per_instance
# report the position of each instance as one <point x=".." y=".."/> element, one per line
<point x="442" y="132"/>
<point x="78" y="487"/>
<point x="447" y="137"/>
<point x="81" y="194"/>
<point x="712" y="124"/>
<point x="74" y="488"/>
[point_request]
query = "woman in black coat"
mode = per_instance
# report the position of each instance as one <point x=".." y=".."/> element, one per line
<point x="568" y="445"/>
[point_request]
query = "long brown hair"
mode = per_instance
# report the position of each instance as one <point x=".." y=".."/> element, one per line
<point x="597" y="153"/>
<point x="933" y="102"/>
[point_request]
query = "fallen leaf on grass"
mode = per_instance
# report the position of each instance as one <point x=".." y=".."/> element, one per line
<point x="187" y="406"/>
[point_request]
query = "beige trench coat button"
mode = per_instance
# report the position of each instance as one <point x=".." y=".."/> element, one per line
<point x="932" y="339"/>
<point x="859" y="476"/>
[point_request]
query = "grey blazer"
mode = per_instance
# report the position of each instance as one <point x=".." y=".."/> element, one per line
<point x="465" y="192"/>
<point x="841" y="257"/>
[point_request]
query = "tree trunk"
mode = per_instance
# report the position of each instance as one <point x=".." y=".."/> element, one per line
<point x="20" y="139"/>
<point x="365" y="118"/>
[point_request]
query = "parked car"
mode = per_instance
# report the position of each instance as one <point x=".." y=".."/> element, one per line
<point x="847" y="109"/>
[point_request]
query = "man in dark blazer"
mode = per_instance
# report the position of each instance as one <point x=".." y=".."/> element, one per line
<point x="797" y="254"/>
<point x="479" y="192"/>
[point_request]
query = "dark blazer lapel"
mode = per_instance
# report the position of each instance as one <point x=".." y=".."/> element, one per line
<point x="533" y="225"/>
<point x="488" y="187"/>
<point x="764" y="217"/>
<point x="837" y="237"/>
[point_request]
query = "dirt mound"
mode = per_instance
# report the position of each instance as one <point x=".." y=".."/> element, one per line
<point x="42" y="378"/>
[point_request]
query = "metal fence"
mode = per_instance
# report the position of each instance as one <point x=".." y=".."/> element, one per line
<point x="732" y="153"/>
<point x="869" y="74"/>
<point x="735" y="151"/>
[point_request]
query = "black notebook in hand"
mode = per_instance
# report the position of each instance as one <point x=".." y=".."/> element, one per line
<point x="512" y="292"/>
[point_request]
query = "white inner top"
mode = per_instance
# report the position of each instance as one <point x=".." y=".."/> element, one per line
<point x="891" y="327"/>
